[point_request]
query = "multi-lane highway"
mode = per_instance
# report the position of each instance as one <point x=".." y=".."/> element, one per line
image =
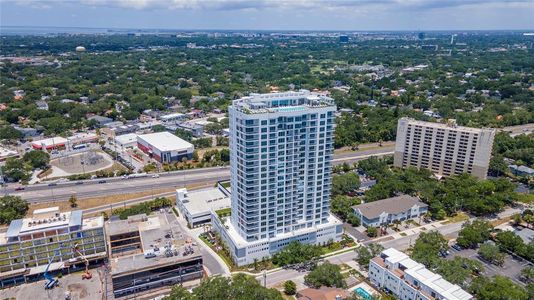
<point x="114" y="186"/>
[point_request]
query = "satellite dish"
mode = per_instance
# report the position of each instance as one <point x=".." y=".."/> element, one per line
<point x="80" y="49"/>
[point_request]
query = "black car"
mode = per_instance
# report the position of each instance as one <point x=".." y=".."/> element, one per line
<point x="457" y="247"/>
<point x="102" y="181"/>
<point x="52" y="184"/>
<point x="79" y="182"/>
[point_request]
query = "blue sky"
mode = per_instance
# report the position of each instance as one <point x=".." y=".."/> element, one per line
<point x="272" y="14"/>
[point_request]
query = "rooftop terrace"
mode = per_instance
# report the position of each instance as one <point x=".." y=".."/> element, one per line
<point x="283" y="102"/>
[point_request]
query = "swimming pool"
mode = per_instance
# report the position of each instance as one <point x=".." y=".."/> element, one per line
<point x="363" y="293"/>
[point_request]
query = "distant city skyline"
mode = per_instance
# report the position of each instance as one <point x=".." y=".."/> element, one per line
<point x="386" y="15"/>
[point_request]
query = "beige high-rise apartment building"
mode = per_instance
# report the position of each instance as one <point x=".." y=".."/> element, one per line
<point x="444" y="148"/>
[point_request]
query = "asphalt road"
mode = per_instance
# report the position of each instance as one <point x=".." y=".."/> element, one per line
<point x="114" y="186"/>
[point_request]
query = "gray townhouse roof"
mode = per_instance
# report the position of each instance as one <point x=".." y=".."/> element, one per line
<point x="392" y="205"/>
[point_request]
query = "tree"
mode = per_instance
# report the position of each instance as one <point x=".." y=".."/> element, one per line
<point x="344" y="183"/>
<point x="529" y="219"/>
<point x="195" y="156"/>
<point x="178" y="292"/>
<point x="491" y="253"/>
<point x="474" y="233"/>
<point x="11" y="208"/>
<point x="239" y="287"/>
<point x="498" y="166"/>
<point x="341" y="206"/>
<point x="290" y="287"/>
<point x="15" y="169"/>
<point x="372" y="231"/>
<point x="458" y="269"/>
<point x="9" y="133"/>
<point x="375" y="249"/>
<point x="326" y="274"/>
<point x="353" y="220"/>
<point x="158" y="128"/>
<point x="510" y="241"/>
<point x="37" y="159"/>
<point x="497" y="288"/>
<point x="73" y="201"/>
<point x="528" y="274"/>
<point x="364" y="256"/>
<point x="427" y="247"/>
<point x="295" y="253"/>
<point x="213" y="128"/>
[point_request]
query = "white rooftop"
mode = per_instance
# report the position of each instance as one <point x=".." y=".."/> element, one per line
<point x="50" y="141"/>
<point x="126" y="138"/>
<point x="426" y="277"/>
<point x="203" y="201"/>
<point x="172" y="116"/>
<point x="165" y="141"/>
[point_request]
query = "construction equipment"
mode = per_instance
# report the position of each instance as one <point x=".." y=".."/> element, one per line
<point x="86" y="274"/>
<point x="51" y="282"/>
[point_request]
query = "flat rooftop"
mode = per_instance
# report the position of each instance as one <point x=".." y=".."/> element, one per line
<point x="451" y="125"/>
<point x="156" y="231"/>
<point x="423" y="275"/>
<point x="203" y="201"/>
<point x="50" y="218"/>
<point x="290" y="101"/>
<point x="50" y="142"/>
<point x="165" y="141"/>
<point x="126" y="138"/>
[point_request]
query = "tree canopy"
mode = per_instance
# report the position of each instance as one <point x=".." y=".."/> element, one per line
<point x="11" y="208"/>
<point x="239" y="287"/>
<point x="326" y="274"/>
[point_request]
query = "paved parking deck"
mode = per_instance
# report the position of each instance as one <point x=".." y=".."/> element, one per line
<point x="511" y="268"/>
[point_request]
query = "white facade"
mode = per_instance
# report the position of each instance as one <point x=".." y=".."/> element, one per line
<point x="126" y="140"/>
<point x="445" y="149"/>
<point x="196" y="206"/>
<point x="281" y="147"/>
<point x="165" y="147"/>
<point x="407" y="279"/>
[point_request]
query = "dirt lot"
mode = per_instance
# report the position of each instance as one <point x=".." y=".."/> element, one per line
<point x="79" y="289"/>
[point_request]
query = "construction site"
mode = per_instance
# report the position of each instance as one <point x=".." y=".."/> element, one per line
<point x="52" y="252"/>
<point x="150" y="253"/>
<point x="71" y="286"/>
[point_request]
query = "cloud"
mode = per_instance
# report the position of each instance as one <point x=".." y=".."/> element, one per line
<point x="276" y="4"/>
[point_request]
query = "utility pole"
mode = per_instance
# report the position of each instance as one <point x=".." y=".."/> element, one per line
<point x="264" y="278"/>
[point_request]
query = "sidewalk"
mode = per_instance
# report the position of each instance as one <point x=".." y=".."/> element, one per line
<point x="195" y="232"/>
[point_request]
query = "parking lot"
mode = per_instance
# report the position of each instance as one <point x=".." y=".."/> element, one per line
<point x="511" y="267"/>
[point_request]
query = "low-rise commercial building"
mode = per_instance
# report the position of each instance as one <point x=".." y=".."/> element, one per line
<point x="173" y="117"/>
<point x="196" y="206"/>
<point x="49" y="236"/>
<point x="100" y="120"/>
<point x="165" y="147"/>
<point x="126" y="140"/>
<point x="195" y="129"/>
<point x="405" y="278"/>
<point x="147" y="252"/>
<point x="50" y="143"/>
<point x="386" y="211"/>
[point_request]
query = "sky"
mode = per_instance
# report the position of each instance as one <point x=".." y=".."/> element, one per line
<point x="272" y="14"/>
